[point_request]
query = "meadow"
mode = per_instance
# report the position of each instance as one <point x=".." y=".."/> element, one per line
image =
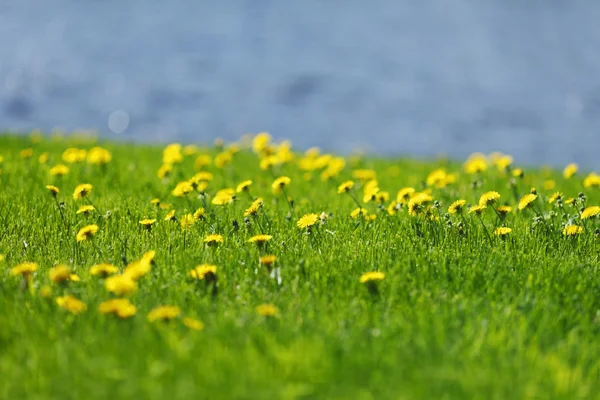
<point x="250" y="270"/>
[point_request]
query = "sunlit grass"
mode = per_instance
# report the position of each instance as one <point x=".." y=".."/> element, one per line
<point x="249" y="270"/>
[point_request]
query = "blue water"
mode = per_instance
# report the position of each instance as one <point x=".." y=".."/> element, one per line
<point x="391" y="76"/>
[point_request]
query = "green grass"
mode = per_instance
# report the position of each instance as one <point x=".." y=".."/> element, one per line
<point x="461" y="314"/>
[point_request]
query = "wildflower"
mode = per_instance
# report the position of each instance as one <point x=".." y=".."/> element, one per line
<point x="190" y="150"/>
<point x="53" y="190"/>
<point x="203" y="160"/>
<point x="59" y="274"/>
<point x="186" y="221"/>
<point x="392" y="208"/>
<point x="457" y="207"/>
<point x="26" y="153"/>
<point x="85" y="209"/>
<point x="87" y="232"/>
<point x="503" y="210"/>
<point x="203" y="271"/>
<point x="164" y="171"/>
<point x="526" y="201"/>
<point x="570" y="170"/>
<point x="477" y="209"/>
<point x="182" y="189"/>
<point x="199" y="213"/>
<point x="202" y="176"/>
<point x="24" y="269"/>
<point x="260" y="239"/>
<point x="269" y="162"/>
<point x="59" y="170"/>
<point x="170" y="216"/>
<point x="345" y="187"/>
<point x="267" y="260"/>
<point x="280" y="183"/>
<point x="172" y="154"/>
<point x="405" y="194"/>
<point x="592" y="180"/>
<point x="147" y="223"/>
<point x="254" y="207"/>
<point x="138" y="269"/>
<point x="156" y="202"/>
<point x="382" y="197"/>
<point x="268" y="310"/>
<point x="358" y="211"/>
<point x="71" y="304"/>
<point x="193" y="324"/>
<point x="370" y="191"/>
<point x="213" y="239"/>
<point x="502" y="231"/>
<point x="555" y="196"/>
<point x="43" y="158"/>
<point x="122" y="308"/>
<point x="73" y="155"/>
<point x="164" y="313"/>
<point x="364" y="174"/>
<point x="488" y="198"/>
<point x="98" y="156"/>
<point x="372" y="277"/>
<point x="590" y="212"/>
<point x="243" y="186"/>
<point x="475" y="163"/>
<point x="261" y="142"/>
<point x="120" y="284"/>
<point x="307" y="220"/>
<point x="222" y="198"/>
<point x="503" y="162"/>
<point x="82" y="191"/>
<point x="417" y="201"/>
<point x="45" y="292"/>
<point x="103" y="270"/>
<point x="222" y="159"/>
<point x="572" y="230"/>
<point x="436" y="177"/>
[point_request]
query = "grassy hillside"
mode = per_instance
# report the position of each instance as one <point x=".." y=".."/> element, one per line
<point x="454" y="307"/>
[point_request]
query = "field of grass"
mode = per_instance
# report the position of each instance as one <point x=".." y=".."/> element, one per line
<point x="454" y="309"/>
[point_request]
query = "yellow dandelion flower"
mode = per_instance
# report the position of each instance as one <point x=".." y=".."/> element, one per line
<point x="267" y="260"/>
<point x="203" y="271"/>
<point x="81" y="191"/>
<point x="370" y="191"/>
<point x="526" y="201"/>
<point x="85" y="209"/>
<point x="503" y="210"/>
<point x="122" y="308"/>
<point x="260" y="239"/>
<point x="199" y="213"/>
<point x="268" y="310"/>
<point x="457" y="206"/>
<point x="59" y="170"/>
<point x="147" y="223"/>
<point x="190" y="150"/>
<point x="436" y="177"/>
<point x="570" y="170"/>
<point x="73" y="155"/>
<point x="170" y="216"/>
<point x="260" y="142"/>
<point x="307" y="220"/>
<point x="254" y="207"/>
<point x="138" y="269"/>
<point x="417" y="201"/>
<point x="26" y="153"/>
<point x="164" y="171"/>
<point x="43" y="158"/>
<point x="372" y="276"/>
<point x="268" y="162"/>
<point x="172" y="154"/>
<point x="502" y="231"/>
<point x="222" y="159"/>
<point x="202" y="161"/>
<point x="243" y="186"/>
<point x="59" y="274"/>
<point x="182" y="189"/>
<point x="53" y="190"/>
<point x="555" y="196"/>
<point x="590" y="212"/>
<point x="214" y="239"/>
<point x="364" y="174"/>
<point x="98" y="156"/>
<point x="572" y="230"/>
<point x="24" y="269"/>
<point x="488" y="198"/>
<point x="193" y="324"/>
<point x="477" y="209"/>
<point x="358" y="211"/>
<point x="103" y="270"/>
<point x="518" y="173"/>
<point x="382" y="197"/>
<point x="405" y="194"/>
<point x="187" y="221"/>
<point x="164" y="313"/>
<point x="392" y="208"/>
<point x="345" y="187"/>
<point x="71" y="304"/>
<point x="45" y="292"/>
<point x="120" y="285"/>
<point x="280" y="183"/>
<point x="222" y="198"/>
<point x="592" y="180"/>
<point x="476" y="163"/>
<point x="87" y="232"/>
<point x="156" y="202"/>
<point x="503" y="162"/>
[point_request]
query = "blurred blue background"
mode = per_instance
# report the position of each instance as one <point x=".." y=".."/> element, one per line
<point x="388" y="76"/>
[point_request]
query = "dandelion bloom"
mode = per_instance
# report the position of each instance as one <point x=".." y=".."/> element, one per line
<point x="307" y="220"/>
<point x="357" y="212"/>
<point x="98" y="156"/>
<point x="503" y="162"/>
<point x="170" y="216"/>
<point x="382" y="197"/>
<point x="457" y="206"/>
<point x="555" y="196"/>
<point x="503" y="210"/>
<point x="59" y="170"/>
<point x="199" y="213"/>
<point x="182" y="189"/>
<point x="122" y="308"/>
<point x="164" y="313"/>
<point x="186" y="221"/>
<point x="475" y="163"/>
<point x="372" y="276"/>
<point x="86" y="209"/>
<point x="193" y="324"/>
<point x="370" y="191"/>
<point x="488" y="198"/>
<point x="526" y="201"/>
<point x="71" y="304"/>
<point x="156" y="202"/>
<point x="260" y="142"/>
<point x="436" y="177"/>
<point x="590" y="212"/>
<point x="267" y="260"/>
<point x="518" y="173"/>
<point x="203" y="160"/>
<point x="45" y="292"/>
<point x="202" y="271"/>
<point x="222" y="159"/>
<point x="222" y="198"/>
<point x="260" y="239"/>
<point x="120" y="285"/>
<point x="280" y="183"/>
<point x="364" y="174"/>
<point x="24" y="269"/>
<point x="417" y="201"/>
<point x="243" y="186"/>
<point x="592" y="180"/>
<point x="345" y="187"/>
<point x="572" y="230"/>
<point x="53" y="190"/>
<point x="172" y="154"/>
<point x="103" y="270"/>
<point x="502" y="231"/>
<point x="214" y="239"/>
<point x="268" y="310"/>
<point x="147" y="223"/>
<point x="137" y="269"/>
<point x="82" y="191"/>
<point x="59" y="274"/>
<point x="26" y="153"/>
<point x="164" y="171"/>
<point x="87" y="232"/>
<point x="73" y="155"/>
<point x="570" y="170"/>
<point x="405" y="194"/>
<point x="254" y="207"/>
<point x="478" y="209"/>
<point x="393" y="207"/>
